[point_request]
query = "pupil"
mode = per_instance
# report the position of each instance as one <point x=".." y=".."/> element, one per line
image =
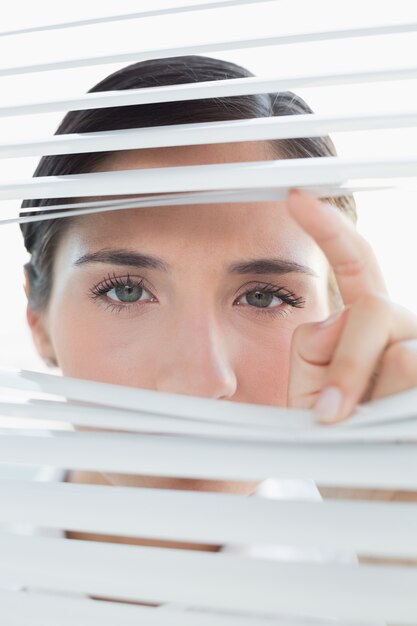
<point x="129" y="293"/>
<point x="259" y="299"/>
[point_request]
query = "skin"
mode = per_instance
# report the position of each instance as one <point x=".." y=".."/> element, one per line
<point x="194" y="331"/>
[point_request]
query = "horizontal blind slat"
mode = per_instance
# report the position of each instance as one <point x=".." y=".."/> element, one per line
<point x="243" y="175"/>
<point x="257" y="129"/>
<point x="365" y="527"/>
<point x="164" y="9"/>
<point x="283" y="430"/>
<point x="387" y="410"/>
<point x="213" y="46"/>
<point x="213" y="580"/>
<point x="194" y="197"/>
<point x="385" y="466"/>
<point x="136" y="399"/>
<point x="208" y="89"/>
<point x="32" y="609"/>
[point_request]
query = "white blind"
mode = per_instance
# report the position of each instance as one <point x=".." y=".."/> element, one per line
<point x="368" y="574"/>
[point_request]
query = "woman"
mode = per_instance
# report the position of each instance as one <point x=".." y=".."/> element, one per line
<point x="278" y="303"/>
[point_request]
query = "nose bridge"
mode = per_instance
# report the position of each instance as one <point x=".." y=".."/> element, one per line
<point x="197" y="360"/>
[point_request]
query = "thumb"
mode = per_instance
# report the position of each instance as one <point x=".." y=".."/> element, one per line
<point x="315" y="343"/>
<point x="312" y="349"/>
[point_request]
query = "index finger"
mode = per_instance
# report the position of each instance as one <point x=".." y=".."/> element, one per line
<point x="355" y="266"/>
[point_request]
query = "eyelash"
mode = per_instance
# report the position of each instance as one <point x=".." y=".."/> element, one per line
<point x="287" y="296"/>
<point x="111" y="282"/>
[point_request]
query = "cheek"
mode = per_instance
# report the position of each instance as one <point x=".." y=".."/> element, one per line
<point x="262" y="366"/>
<point x="103" y="348"/>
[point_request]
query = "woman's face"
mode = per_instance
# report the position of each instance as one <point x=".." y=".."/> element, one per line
<point x="178" y="299"/>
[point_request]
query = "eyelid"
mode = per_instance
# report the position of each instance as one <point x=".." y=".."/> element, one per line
<point x="255" y="285"/>
<point x="288" y="297"/>
<point x="262" y="284"/>
<point x="111" y="281"/>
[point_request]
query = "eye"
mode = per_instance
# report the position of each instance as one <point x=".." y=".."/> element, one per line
<point x="260" y="299"/>
<point x="270" y="299"/>
<point x="126" y="293"/>
<point x="121" y="290"/>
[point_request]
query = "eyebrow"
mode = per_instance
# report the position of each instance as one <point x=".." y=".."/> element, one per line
<point x="138" y="260"/>
<point x="124" y="257"/>
<point x="270" y="266"/>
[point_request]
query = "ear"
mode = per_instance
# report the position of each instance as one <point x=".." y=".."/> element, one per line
<point x="38" y="327"/>
<point x="40" y="336"/>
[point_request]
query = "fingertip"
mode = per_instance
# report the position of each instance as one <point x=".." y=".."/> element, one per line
<point x="328" y="406"/>
<point x="334" y="415"/>
<point x="300" y="202"/>
<point x="294" y="194"/>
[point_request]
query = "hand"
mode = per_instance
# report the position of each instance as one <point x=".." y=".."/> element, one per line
<point x="363" y="352"/>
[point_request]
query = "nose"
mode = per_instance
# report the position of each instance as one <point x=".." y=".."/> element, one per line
<point x="196" y="360"/>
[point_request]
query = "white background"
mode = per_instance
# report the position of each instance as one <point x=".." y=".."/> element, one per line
<point x="387" y="219"/>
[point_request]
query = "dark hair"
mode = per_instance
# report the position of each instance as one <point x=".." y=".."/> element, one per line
<point x="41" y="238"/>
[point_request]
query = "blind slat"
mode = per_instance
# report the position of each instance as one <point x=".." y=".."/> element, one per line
<point x="243" y="175"/>
<point x="398" y="406"/>
<point x="196" y="197"/>
<point x="22" y="609"/>
<point x="385" y="466"/>
<point x="213" y="46"/>
<point x="364" y="527"/>
<point x="147" y="400"/>
<point x="164" y="9"/>
<point x="283" y="430"/>
<point x="285" y="127"/>
<point x="208" y="89"/>
<point x="221" y="581"/>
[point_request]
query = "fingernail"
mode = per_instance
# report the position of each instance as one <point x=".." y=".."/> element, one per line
<point x="328" y="405"/>
<point x="331" y="320"/>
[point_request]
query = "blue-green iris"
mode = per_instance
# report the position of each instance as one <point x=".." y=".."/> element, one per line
<point x="129" y="293"/>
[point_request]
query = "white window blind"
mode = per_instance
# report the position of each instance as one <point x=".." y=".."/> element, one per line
<point x="195" y="438"/>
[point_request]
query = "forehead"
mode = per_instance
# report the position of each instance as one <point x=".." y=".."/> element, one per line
<point x="187" y="155"/>
<point x="231" y="229"/>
